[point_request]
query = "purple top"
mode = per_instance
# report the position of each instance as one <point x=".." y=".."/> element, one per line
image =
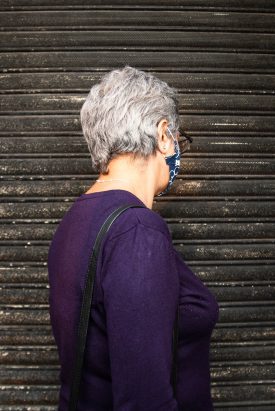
<point x="128" y="358"/>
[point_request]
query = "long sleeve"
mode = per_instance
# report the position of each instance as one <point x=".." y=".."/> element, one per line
<point x="140" y="287"/>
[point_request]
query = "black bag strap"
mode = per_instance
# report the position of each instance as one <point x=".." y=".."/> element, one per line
<point x="86" y="307"/>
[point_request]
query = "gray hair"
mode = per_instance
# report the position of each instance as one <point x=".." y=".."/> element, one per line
<point x="122" y="112"/>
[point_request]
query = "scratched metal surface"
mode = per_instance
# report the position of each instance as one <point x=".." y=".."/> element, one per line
<point x="220" y="55"/>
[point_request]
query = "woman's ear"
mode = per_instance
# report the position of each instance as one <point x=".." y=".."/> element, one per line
<point x="164" y="142"/>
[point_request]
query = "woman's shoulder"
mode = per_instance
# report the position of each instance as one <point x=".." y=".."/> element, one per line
<point x="134" y="216"/>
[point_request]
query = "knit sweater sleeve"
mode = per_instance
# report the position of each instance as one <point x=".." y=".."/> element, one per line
<point x="140" y="289"/>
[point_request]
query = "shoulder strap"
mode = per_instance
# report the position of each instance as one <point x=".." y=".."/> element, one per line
<point x="86" y="307"/>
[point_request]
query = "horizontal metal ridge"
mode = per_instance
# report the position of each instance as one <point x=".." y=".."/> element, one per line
<point x="77" y="82"/>
<point x="219" y="6"/>
<point x="113" y="18"/>
<point x="178" y="61"/>
<point x="127" y="39"/>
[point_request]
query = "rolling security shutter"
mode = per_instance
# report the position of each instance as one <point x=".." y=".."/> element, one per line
<point x="220" y="210"/>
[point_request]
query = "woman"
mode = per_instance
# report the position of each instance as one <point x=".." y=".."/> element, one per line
<point x="130" y="121"/>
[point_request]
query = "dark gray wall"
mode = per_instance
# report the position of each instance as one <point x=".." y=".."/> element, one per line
<point x="220" y="55"/>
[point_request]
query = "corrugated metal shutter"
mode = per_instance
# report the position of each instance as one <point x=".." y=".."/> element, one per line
<point x="220" y="54"/>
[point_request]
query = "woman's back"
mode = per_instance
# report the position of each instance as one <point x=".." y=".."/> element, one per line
<point x="129" y="344"/>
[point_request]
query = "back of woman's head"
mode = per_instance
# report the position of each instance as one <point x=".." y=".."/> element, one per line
<point x="122" y="112"/>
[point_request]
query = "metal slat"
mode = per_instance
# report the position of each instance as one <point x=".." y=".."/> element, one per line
<point x="109" y="19"/>
<point x="244" y="371"/>
<point x="35" y="146"/>
<point x="33" y="374"/>
<point x="192" y="166"/>
<point x="190" y="250"/>
<point x="62" y="124"/>
<point x="38" y="233"/>
<point x="39" y="295"/>
<point x="231" y="394"/>
<point x="235" y="313"/>
<point x="191" y="82"/>
<point x="224" y="274"/>
<point x="31" y="355"/>
<point x="36" y="335"/>
<point x="228" y="104"/>
<point x="178" y="61"/>
<point x="22" y="208"/>
<point x="245" y="5"/>
<point x="134" y="40"/>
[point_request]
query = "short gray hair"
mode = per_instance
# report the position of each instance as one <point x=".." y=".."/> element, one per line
<point x="122" y="112"/>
